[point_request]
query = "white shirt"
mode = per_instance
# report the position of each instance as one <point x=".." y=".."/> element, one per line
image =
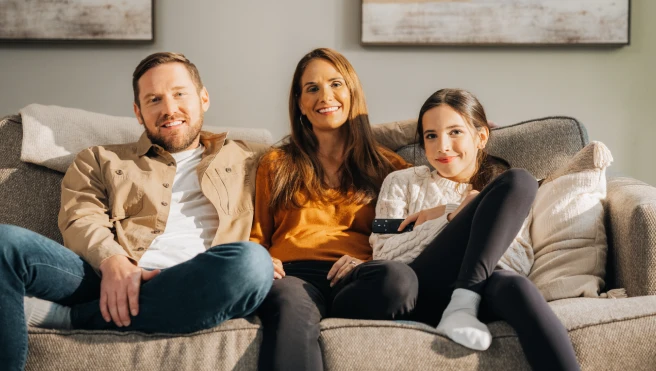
<point x="192" y="222"/>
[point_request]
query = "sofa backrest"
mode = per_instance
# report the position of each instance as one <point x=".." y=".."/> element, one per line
<point x="540" y="146"/>
<point x="30" y="194"/>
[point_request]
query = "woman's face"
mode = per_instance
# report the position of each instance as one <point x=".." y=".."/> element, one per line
<point x="325" y="99"/>
<point x="451" y="143"/>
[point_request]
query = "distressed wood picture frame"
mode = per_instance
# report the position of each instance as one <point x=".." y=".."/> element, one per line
<point x="496" y="22"/>
<point x="77" y="20"/>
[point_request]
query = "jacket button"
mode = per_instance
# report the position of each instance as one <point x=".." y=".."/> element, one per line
<point x="119" y="172"/>
<point x="165" y="203"/>
<point x="166" y="185"/>
<point x="170" y="164"/>
<point x="156" y="231"/>
<point x="140" y="249"/>
<point x="228" y="170"/>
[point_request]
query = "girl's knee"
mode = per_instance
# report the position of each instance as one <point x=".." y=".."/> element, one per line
<point x="510" y="284"/>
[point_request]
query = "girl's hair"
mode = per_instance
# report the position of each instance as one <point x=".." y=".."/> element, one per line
<point x="466" y="104"/>
<point x="298" y="170"/>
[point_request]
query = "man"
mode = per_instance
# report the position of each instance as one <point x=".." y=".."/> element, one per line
<point x="149" y="228"/>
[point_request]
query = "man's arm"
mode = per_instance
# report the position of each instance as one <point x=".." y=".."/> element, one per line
<point x="83" y="216"/>
<point x="86" y="227"/>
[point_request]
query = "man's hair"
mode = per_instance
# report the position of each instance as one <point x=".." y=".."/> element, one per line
<point x="157" y="59"/>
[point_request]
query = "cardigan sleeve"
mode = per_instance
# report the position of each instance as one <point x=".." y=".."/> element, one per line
<point x="394" y="203"/>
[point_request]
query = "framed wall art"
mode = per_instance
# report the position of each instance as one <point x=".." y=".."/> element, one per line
<point x="495" y="22"/>
<point x="76" y="20"/>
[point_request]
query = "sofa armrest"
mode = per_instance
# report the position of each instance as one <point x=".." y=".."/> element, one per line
<point x="631" y="213"/>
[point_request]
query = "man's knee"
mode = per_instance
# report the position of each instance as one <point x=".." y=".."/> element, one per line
<point x="249" y="265"/>
<point x="10" y="241"/>
<point x="255" y="264"/>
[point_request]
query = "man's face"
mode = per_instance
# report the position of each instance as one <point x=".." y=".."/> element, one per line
<point x="172" y="108"/>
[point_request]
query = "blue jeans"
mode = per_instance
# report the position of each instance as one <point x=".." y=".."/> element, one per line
<point x="226" y="281"/>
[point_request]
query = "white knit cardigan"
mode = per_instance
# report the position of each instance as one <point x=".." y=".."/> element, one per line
<point x="408" y="191"/>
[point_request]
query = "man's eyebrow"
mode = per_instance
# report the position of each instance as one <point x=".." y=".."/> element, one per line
<point x="173" y="88"/>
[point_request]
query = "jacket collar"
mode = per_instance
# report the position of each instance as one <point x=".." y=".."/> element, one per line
<point x="212" y="142"/>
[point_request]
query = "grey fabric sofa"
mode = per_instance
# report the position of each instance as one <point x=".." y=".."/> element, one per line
<point x="608" y="334"/>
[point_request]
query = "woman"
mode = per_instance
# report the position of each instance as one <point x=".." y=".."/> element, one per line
<point x="467" y="213"/>
<point x="313" y="212"/>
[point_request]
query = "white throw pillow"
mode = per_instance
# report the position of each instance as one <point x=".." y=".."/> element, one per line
<point x="567" y="230"/>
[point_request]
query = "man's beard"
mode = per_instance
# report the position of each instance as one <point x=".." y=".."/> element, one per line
<point x="175" y="143"/>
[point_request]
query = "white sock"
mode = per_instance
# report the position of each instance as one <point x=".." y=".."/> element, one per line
<point x="460" y="323"/>
<point x="46" y="314"/>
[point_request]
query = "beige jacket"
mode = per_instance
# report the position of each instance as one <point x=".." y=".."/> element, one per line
<point x="115" y="199"/>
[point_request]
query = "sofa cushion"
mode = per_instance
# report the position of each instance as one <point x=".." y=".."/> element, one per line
<point x="233" y="345"/>
<point x="607" y="334"/>
<point x="540" y="146"/>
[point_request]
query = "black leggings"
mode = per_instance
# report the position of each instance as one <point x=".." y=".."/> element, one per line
<point x="465" y="254"/>
<point x="296" y="304"/>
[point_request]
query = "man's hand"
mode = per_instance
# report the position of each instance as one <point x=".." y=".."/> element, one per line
<point x="119" y="289"/>
<point x="470" y="196"/>
<point x="341" y="268"/>
<point x="423" y="216"/>
<point x="278" y="271"/>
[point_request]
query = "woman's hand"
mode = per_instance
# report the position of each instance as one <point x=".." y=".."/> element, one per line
<point x="278" y="271"/>
<point x="470" y="196"/>
<point x="342" y="268"/>
<point x="423" y="216"/>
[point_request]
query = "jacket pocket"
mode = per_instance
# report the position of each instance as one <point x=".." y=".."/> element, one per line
<point x="235" y="189"/>
<point x="126" y="192"/>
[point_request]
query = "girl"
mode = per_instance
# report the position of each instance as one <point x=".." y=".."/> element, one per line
<point x="467" y="212"/>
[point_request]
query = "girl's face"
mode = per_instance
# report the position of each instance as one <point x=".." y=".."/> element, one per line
<point x="451" y="143"/>
<point x="325" y="99"/>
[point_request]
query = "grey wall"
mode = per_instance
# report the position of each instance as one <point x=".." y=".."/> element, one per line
<point x="246" y="51"/>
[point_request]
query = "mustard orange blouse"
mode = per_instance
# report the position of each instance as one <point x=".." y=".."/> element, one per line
<point x="318" y="230"/>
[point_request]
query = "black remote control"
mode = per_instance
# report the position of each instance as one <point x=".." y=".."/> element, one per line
<point x="390" y="226"/>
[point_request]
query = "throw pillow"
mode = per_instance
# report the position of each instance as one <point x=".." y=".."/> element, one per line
<point x="567" y="230"/>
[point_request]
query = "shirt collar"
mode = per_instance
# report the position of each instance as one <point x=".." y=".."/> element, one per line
<point x="212" y="142"/>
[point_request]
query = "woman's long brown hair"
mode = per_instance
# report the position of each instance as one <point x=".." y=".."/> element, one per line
<point x="467" y="105"/>
<point x="299" y="175"/>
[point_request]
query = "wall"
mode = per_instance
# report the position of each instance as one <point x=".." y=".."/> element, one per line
<point x="246" y="51"/>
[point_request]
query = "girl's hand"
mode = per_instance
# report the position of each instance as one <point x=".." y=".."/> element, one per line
<point x="341" y="268"/>
<point x="470" y="196"/>
<point x="423" y="216"/>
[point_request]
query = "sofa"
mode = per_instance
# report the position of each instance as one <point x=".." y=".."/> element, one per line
<point x="607" y="334"/>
